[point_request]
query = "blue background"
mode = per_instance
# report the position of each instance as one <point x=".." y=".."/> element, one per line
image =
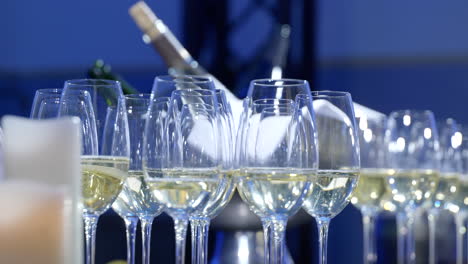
<point x="388" y="54"/>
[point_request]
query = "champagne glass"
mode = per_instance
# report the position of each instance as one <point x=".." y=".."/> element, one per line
<point x="200" y="219"/>
<point x="338" y="170"/>
<point x="181" y="160"/>
<point x="136" y="200"/>
<point x="105" y="146"/>
<point x="185" y="106"/>
<point x="413" y="145"/>
<point x="42" y="95"/>
<point x="163" y="86"/>
<point x="277" y="158"/>
<point x="450" y="140"/>
<point x="248" y="125"/>
<point x="372" y="187"/>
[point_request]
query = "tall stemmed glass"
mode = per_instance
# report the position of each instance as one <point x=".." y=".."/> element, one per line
<point x="248" y="125"/>
<point x="444" y="197"/>
<point x="338" y="170"/>
<point x="163" y="86"/>
<point x="40" y="97"/>
<point x="200" y="218"/>
<point x="188" y="104"/>
<point x="136" y="200"/>
<point x="413" y="145"/>
<point x="182" y="158"/>
<point x="372" y="187"/>
<point x="105" y="146"/>
<point x="278" y="154"/>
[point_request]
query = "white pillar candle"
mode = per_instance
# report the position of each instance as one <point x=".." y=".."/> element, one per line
<point x="39" y="199"/>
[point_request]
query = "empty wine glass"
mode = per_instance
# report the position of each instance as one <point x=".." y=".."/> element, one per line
<point x="338" y="170"/>
<point x="372" y="187"/>
<point x="277" y="157"/>
<point x="42" y="95"/>
<point x="413" y="145"/>
<point x="163" y="86"/>
<point x="105" y="146"/>
<point x="450" y="140"/>
<point x="136" y="200"/>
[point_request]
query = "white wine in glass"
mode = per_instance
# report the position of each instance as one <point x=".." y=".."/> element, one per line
<point x="136" y="197"/>
<point x="183" y="191"/>
<point x="330" y="193"/>
<point x="413" y="187"/>
<point x="447" y="191"/>
<point x="272" y="190"/>
<point x="103" y="178"/>
<point x="372" y="188"/>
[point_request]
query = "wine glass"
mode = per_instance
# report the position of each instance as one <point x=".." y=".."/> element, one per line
<point x="372" y="187"/>
<point x="42" y="95"/>
<point x="136" y="200"/>
<point x="186" y="105"/>
<point x="413" y="145"/>
<point x="277" y="157"/>
<point x="248" y="129"/>
<point x="338" y="170"/>
<point x="200" y="218"/>
<point x="163" y="87"/>
<point x="105" y="146"/>
<point x="450" y="140"/>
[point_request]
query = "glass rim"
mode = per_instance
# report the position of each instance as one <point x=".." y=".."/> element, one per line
<point x="279" y="109"/>
<point x="189" y="91"/>
<point x="91" y="82"/>
<point x="203" y="106"/>
<point x="329" y="93"/>
<point x="267" y="82"/>
<point x="138" y="96"/>
<point x="197" y="79"/>
<point x="49" y="90"/>
<point x="280" y="101"/>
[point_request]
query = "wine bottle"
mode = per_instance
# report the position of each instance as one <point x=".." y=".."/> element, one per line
<point x="100" y="70"/>
<point x="179" y="60"/>
<point x="176" y="57"/>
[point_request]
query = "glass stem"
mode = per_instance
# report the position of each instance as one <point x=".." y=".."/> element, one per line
<point x="406" y="241"/>
<point x="460" y="227"/>
<point x="180" y="228"/>
<point x="368" y="222"/>
<point x="266" y="243"/>
<point x="146" y="224"/>
<point x="90" y="222"/>
<point x="278" y="232"/>
<point x="432" y="216"/>
<point x="323" y="224"/>
<point x="131" y="226"/>
<point x="200" y="227"/>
